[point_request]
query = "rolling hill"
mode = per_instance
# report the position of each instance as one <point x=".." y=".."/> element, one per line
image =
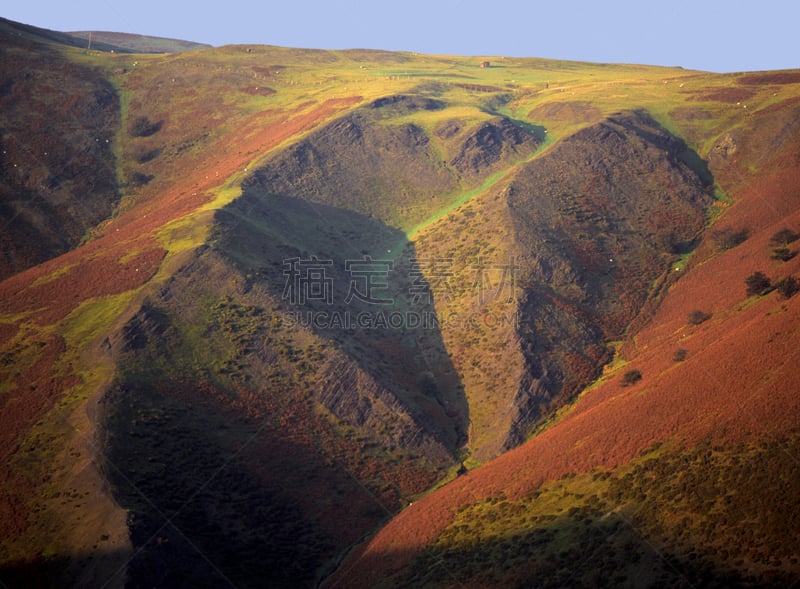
<point x="295" y="317"/>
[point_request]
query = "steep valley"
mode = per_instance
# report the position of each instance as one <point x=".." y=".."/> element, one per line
<point x="298" y="318"/>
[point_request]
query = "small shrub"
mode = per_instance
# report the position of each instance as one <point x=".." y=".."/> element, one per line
<point x="144" y="155"/>
<point x="680" y="354"/>
<point x="140" y="179"/>
<point x="631" y="377"/>
<point x="758" y="284"/>
<point x="788" y="287"/>
<point x="144" y="127"/>
<point x="784" y="237"/>
<point x="729" y="237"/>
<point x="783" y="253"/>
<point x="697" y="317"/>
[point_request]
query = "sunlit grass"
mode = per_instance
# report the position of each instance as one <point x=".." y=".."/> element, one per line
<point x="92" y="318"/>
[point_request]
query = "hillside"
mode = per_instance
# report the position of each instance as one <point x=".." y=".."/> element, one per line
<point x="46" y="36"/>
<point x="137" y="43"/>
<point x="364" y="318"/>
<point x="59" y="175"/>
<point x="685" y="478"/>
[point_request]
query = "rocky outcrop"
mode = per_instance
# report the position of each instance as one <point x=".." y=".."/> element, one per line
<point x="723" y="149"/>
<point x="384" y="170"/>
<point x="496" y="141"/>
<point x="354" y="396"/>
<point x="148" y="324"/>
<point x="402" y="104"/>
<point x="392" y="170"/>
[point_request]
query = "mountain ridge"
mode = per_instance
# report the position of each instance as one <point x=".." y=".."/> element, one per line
<point x="137" y="43"/>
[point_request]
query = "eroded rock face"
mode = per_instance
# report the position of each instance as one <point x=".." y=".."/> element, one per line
<point x="352" y="395"/>
<point x="400" y="104"/>
<point x="359" y="164"/>
<point x="724" y="149"/>
<point x="599" y="219"/>
<point x="150" y="323"/>
<point x="595" y="221"/>
<point x="489" y="144"/>
<point x="392" y="170"/>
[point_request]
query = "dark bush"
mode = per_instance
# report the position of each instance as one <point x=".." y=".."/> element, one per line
<point x="729" y="237"/>
<point x="140" y="179"/>
<point x="144" y="127"/>
<point x="788" y="286"/>
<point x="784" y="237"/>
<point x="680" y="354"/>
<point x="631" y="377"/>
<point x="145" y="155"/>
<point x="697" y="317"/>
<point x="758" y="284"/>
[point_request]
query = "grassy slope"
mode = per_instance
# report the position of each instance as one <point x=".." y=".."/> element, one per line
<point x="672" y="517"/>
<point x="221" y="112"/>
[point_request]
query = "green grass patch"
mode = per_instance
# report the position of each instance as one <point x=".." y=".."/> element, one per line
<point x="683" y="259"/>
<point x="469" y="195"/>
<point x="185" y="234"/>
<point x="93" y="318"/>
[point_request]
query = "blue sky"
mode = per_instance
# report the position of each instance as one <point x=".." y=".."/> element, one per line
<point x="698" y="34"/>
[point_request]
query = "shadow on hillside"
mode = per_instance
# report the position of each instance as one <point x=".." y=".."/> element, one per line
<point x="352" y="280"/>
<point x="217" y="498"/>
<point x="215" y="441"/>
<point x="63" y="180"/>
<point x="581" y="551"/>
<point x="676" y="148"/>
<point x="98" y="569"/>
